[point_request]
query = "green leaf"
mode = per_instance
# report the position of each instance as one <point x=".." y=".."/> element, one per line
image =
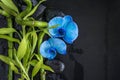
<point x="4" y="13"/>
<point x="27" y="9"/>
<point x="10" y="62"/>
<point x="34" y="39"/>
<point x="7" y="60"/>
<point x="14" y="51"/>
<point x="39" y="57"/>
<point x="33" y="62"/>
<point x="31" y="45"/>
<point x="7" y="30"/>
<point x="9" y="38"/>
<point x="22" y="48"/>
<point x="7" y="9"/>
<point x="54" y="26"/>
<point x="14" y="68"/>
<point x="28" y="55"/>
<point x="36" y="68"/>
<point x="47" y="32"/>
<point x="41" y="36"/>
<point x="34" y="9"/>
<point x="10" y="4"/>
<point x="47" y="68"/>
<point x="21" y="67"/>
<point x="46" y="29"/>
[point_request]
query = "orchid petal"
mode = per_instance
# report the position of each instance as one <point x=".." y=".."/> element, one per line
<point x="55" y="21"/>
<point x="71" y="32"/>
<point x="45" y="50"/>
<point x="67" y="19"/>
<point x="58" y="44"/>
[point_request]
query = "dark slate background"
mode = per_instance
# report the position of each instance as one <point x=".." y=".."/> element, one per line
<point x="99" y="36"/>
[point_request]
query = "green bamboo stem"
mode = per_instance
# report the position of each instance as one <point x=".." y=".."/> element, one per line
<point x="42" y="71"/>
<point x="10" y="50"/>
<point x="22" y="77"/>
<point x="30" y="23"/>
<point x="41" y="36"/>
<point x="23" y="30"/>
<point x="42" y="75"/>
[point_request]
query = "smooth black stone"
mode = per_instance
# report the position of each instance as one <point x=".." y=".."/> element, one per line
<point x="54" y="77"/>
<point x="51" y="12"/>
<point x="56" y="65"/>
<point x="38" y="15"/>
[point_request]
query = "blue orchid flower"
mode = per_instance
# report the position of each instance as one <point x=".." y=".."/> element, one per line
<point x="67" y="28"/>
<point x="51" y="47"/>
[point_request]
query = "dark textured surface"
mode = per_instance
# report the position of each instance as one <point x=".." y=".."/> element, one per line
<point x="99" y="38"/>
<point x="114" y="41"/>
<point x="91" y="18"/>
<point x="3" y="51"/>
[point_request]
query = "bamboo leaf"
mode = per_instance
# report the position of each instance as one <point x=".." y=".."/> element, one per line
<point x="9" y="38"/>
<point x="14" y="68"/>
<point x="10" y="62"/>
<point x="31" y="45"/>
<point x="36" y="68"/>
<point x="41" y="36"/>
<point x="54" y="26"/>
<point x="47" y="68"/>
<point x="47" y="32"/>
<point x="7" y="9"/>
<point x="33" y="62"/>
<point x="7" y="30"/>
<point x="28" y="55"/>
<point x="27" y="10"/>
<point x="34" y="37"/>
<point x="34" y="9"/>
<point x="39" y="57"/>
<point x="22" y="48"/>
<point x="14" y="51"/>
<point x="4" y="13"/>
<point x="10" y="4"/>
<point x="21" y="67"/>
<point x="7" y="60"/>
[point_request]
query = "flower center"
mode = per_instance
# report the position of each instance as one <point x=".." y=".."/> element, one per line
<point x="52" y="50"/>
<point x="61" y="31"/>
